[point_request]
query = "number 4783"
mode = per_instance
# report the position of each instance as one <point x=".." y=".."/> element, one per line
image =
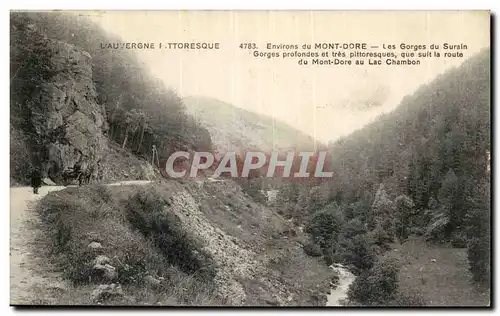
<point x="248" y="46"/>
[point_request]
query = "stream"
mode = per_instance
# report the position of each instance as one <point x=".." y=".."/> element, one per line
<point x="339" y="294"/>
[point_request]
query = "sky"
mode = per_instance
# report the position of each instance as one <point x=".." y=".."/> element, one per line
<point x="324" y="101"/>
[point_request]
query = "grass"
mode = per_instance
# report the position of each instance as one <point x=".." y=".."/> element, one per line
<point x="229" y="208"/>
<point x="277" y="242"/>
<point x="147" y="211"/>
<point x="145" y="230"/>
<point x="445" y="282"/>
<point x="138" y="239"/>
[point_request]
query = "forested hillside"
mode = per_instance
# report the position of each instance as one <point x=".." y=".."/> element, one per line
<point x="136" y="110"/>
<point x="421" y="170"/>
<point x="442" y="128"/>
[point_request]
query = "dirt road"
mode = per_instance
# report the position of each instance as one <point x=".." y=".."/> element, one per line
<point x="27" y="280"/>
<point x="33" y="280"/>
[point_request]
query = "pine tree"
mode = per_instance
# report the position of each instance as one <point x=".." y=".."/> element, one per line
<point x="404" y="212"/>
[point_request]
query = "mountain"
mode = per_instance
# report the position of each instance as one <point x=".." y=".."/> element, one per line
<point x="69" y="97"/>
<point x="235" y="129"/>
<point x="173" y="242"/>
<point x="443" y="126"/>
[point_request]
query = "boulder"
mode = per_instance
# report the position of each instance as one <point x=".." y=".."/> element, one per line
<point x="101" y="260"/>
<point x="95" y="245"/>
<point x="106" y="271"/>
<point x="47" y="181"/>
<point x="150" y="280"/>
<point x="68" y="120"/>
<point x="102" y="269"/>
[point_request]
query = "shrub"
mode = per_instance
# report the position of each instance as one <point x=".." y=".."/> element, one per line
<point x="253" y="187"/>
<point x="325" y="226"/>
<point x="353" y="228"/>
<point x="436" y="230"/>
<point x="357" y="251"/>
<point x="78" y="216"/>
<point x="148" y="212"/>
<point x="381" y="238"/>
<point x="312" y="249"/>
<point x="410" y="299"/>
<point x="404" y="207"/>
<point x="376" y="286"/>
<point x="459" y="239"/>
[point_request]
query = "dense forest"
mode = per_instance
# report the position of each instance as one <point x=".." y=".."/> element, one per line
<point x="139" y="110"/>
<point x="421" y="170"/>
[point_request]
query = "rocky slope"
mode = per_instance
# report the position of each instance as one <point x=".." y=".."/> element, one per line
<point x="221" y="247"/>
<point x="74" y="121"/>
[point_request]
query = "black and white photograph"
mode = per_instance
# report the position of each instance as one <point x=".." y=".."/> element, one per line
<point x="190" y="158"/>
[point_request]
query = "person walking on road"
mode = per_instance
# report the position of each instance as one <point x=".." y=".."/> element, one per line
<point x="36" y="180"/>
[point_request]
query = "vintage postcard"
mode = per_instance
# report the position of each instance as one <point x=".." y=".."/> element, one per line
<point x="250" y="158"/>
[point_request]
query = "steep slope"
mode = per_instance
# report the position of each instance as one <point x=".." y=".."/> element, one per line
<point x="177" y="243"/>
<point x="58" y="67"/>
<point x="54" y="102"/>
<point x="421" y="170"/>
<point x="441" y="131"/>
<point x="236" y="129"/>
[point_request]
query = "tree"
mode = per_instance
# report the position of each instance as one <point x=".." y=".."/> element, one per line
<point x="325" y="225"/>
<point x="449" y="189"/>
<point x="383" y="211"/>
<point x="357" y="251"/>
<point x="381" y="237"/>
<point x="353" y="228"/>
<point x="133" y="119"/>
<point x="358" y="209"/>
<point x="404" y="208"/>
<point x="478" y="231"/>
<point x="376" y="286"/>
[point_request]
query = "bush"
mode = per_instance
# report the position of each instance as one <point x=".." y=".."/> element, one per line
<point x="75" y="217"/>
<point x="312" y="249"/>
<point x="410" y="299"/>
<point x="404" y="207"/>
<point x="381" y="238"/>
<point x="376" y="286"/>
<point x="353" y="228"/>
<point x="148" y="212"/>
<point x="357" y="251"/>
<point x="436" y="230"/>
<point x="253" y="187"/>
<point x="478" y="253"/>
<point x="417" y="231"/>
<point x="325" y="226"/>
<point x="459" y="239"/>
